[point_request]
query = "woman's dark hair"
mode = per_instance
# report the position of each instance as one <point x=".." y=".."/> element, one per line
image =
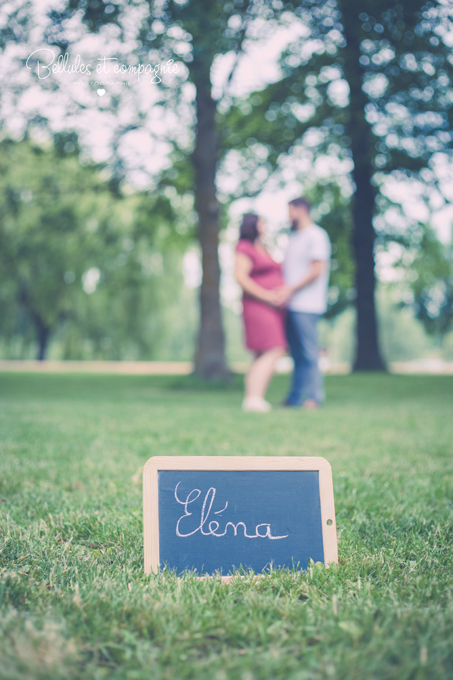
<point x="249" y="228"/>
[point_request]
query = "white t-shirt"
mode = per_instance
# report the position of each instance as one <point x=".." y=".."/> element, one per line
<point x="304" y="246"/>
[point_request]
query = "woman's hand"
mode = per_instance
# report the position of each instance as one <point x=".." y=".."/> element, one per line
<point x="270" y="297"/>
<point x="280" y="296"/>
<point x="277" y="297"/>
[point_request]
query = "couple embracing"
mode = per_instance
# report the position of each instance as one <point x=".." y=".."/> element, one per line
<point x="282" y="305"/>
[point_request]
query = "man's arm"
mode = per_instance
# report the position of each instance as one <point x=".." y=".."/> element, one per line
<point x="317" y="267"/>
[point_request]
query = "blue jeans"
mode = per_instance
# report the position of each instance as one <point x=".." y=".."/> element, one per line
<point x="302" y="336"/>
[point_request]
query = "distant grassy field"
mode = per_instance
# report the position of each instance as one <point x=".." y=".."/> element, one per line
<point x="74" y="602"/>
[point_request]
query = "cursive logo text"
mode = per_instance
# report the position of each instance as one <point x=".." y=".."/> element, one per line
<point x="45" y="62"/>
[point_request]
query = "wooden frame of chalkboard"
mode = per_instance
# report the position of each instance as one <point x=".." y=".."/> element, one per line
<point x="157" y="464"/>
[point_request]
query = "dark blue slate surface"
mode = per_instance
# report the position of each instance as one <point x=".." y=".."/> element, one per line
<point x="272" y="504"/>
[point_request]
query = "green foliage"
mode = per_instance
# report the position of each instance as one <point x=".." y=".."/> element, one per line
<point x="74" y="602"/>
<point x="402" y="336"/>
<point x="79" y="260"/>
<point x="45" y="200"/>
<point x="396" y="58"/>
<point x="406" y="73"/>
<point x="394" y="61"/>
<point x="430" y="277"/>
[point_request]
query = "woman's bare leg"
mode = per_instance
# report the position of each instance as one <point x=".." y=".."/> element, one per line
<point x="260" y="372"/>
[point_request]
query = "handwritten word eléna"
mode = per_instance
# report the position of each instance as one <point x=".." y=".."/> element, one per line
<point x="212" y="527"/>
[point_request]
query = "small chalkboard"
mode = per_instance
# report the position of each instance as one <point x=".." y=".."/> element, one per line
<point x="218" y="514"/>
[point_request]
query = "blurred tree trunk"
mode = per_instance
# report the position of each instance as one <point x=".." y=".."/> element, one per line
<point x="210" y="359"/>
<point x="368" y="356"/>
<point x="42" y="335"/>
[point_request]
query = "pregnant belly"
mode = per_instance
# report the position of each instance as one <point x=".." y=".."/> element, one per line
<point x="269" y="281"/>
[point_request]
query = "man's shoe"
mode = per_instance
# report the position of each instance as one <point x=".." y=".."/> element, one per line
<point x="289" y="404"/>
<point x="310" y="405"/>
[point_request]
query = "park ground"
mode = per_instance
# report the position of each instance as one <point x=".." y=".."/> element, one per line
<point x="75" y="604"/>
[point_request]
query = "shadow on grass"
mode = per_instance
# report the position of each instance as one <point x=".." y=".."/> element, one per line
<point x="194" y="382"/>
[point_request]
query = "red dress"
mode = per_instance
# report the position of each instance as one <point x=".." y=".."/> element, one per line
<point x="263" y="325"/>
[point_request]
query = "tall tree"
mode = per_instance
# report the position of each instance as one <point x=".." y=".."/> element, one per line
<point x="373" y="79"/>
<point x="357" y="128"/>
<point x="200" y="30"/>
<point x="206" y="23"/>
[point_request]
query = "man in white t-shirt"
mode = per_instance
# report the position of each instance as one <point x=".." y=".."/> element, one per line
<point x="306" y="272"/>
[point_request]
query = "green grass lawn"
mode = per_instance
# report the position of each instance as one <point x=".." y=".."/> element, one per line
<point x="74" y="602"/>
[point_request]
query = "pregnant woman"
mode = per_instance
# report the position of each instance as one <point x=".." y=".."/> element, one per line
<point x="261" y="280"/>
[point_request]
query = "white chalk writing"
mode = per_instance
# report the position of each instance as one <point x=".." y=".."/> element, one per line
<point x="212" y="527"/>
